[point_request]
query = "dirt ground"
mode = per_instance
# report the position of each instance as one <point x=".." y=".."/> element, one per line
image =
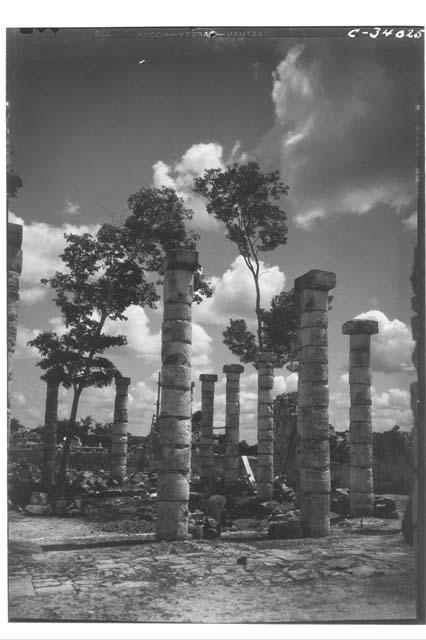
<point x="357" y="574"/>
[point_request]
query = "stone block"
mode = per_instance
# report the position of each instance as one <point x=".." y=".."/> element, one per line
<point x="266" y="382"/>
<point x="316" y="279"/>
<point x="315" y="480"/>
<point x="178" y="287"/>
<point x="181" y="259"/>
<point x="173" y="486"/>
<point x="361" y="479"/>
<point x="360" y="413"/>
<point x="172" y="521"/>
<point x="232" y="408"/>
<point x="359" y="375"/>
<point x="176" y="375"/>
<point x="311" y="300"/>
<point x="265" y="447"/>
<point x="176" y="402"/>
<point x="361" y="454"/>
<point x="313" y="336"/>
<point x="359" y="358"/>
<point x="313" y="319"/>
<point x="359" y="341"/>
<point x="314" y="454"/>
<point x="176" y="353"/>
<point x="360" y="393"/>
<point x="233" y="368"/>
<point x="315" y="515"/>
<point x="177" y="331"/>
<point x="360" y="432"/>
<point x="264" y="473"/>
<point x="314" y="372"/>
<point x="174" y="458"/>
<point x="174" y="431"/>
<point x="310" y="354"/>
<point x="313" y="423"/>
<point x="177" y="311"/>
<point x="265" y="410"/>
<point x="313" y="394"/>
<point x="38" y="510"/>
<point x="208" y="377"/>
<point x="266" y="434"/>
<point x="368" y="327"/>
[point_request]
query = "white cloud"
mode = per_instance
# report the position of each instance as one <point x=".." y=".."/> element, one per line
<point x="286" y="384"/>
<point x="23" y="335"/>
<point x="234" y="293"/>
<point x="392" y="347"/>
<point x="390" y="408"/>
<point x="41" y="246"/>
<point x="410" y="223"/>
<point x="71" y="208"/>
<point x="18" y="399"/>
<point x="338" y="149"/>
<point x="193" y="163"/>
<point x="140" y="339"/>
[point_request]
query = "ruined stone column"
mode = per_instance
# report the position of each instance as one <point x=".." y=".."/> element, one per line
<point x="14" y="268"/>
<point x="312" y="420"/>
<point x="232" y="423"/>
<point x="206" y="436"/>
<point x="175" y="416"/>
<point x="361" y="498"/>
<point x="265" y="425"/>
<point x="49" y="435"/>
<point x="119" y="430"/>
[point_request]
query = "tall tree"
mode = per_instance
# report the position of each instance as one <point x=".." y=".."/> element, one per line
<point x="246" y="201"/>
<point x="104" y="275"/>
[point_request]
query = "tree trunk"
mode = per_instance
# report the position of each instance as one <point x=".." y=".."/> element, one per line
<point x="65" y="457"/>
<point x="49" y="436"/>
<point x="258" y="312"/>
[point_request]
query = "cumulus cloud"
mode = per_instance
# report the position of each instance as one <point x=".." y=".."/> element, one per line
<point x="18" y="399"/>
<point x="71" y="208"/>
<point x="340" y="147"/>
<point x="286" y="384"/>
<point x="194" y="162"/>
<point x="390" y="408"/>
<point x="23" y="335"/>
<point x="392" y="347"/>
<point x="42" y="244"/>
<point x="410" y="223"/>
<point x="234" y="293"/>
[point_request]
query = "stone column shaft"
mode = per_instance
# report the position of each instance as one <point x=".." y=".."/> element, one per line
<point x="361" y="498"/>
<point x="175" y="416"/>
<point x="312" y="420"/>
<point x="49" y="435"/>
<point x="119" y="430"/>
<point x="206" y="435"/>
<point x="232" y="423"/>
<point x="265" y="425"/>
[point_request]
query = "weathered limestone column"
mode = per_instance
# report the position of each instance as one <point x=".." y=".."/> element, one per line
<point x="312" y="420"/>
<point x="361" y="497"/>
<point x="206" y="436"/>
<point x="265" y="425"/>
<point x="232" y="423"/>
<point x="49" y="435"/>
<point x="14" y="268"/>
<point x="119" y="430"/>
<point x="175" y="416"/>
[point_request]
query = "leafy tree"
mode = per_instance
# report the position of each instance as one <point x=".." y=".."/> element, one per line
<point x="14" y="182"/>
<point x="90" y="293"/>
<point x="21" y="436"/>
<point x="245" y="200"/>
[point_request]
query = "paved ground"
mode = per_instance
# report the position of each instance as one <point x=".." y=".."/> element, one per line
<point x="355" y="574"/>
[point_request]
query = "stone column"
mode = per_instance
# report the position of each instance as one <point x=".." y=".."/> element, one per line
<point x="119" y="430"/>
<point x="14" y="268"/>
<point x="232" y="423"/>
<point x="361" y="496"/>
<point x="312" y="420"/>
<point x="206" y="436"/>
<point x="175" y="416"/>
<point x="49" y="435"/>
<point x="265" y="425"/>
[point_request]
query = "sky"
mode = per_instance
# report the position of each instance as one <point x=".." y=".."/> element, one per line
<point x="95" y="117"/>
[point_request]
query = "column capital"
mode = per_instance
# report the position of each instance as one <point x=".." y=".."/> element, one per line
<point x="316" y="279"/>
<point x="368" y="327"/>
<point x="180" y="259"/>
<point x="233" y="368"/>
<point x="208" y="377"/>
<point x="122" y="382"/>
